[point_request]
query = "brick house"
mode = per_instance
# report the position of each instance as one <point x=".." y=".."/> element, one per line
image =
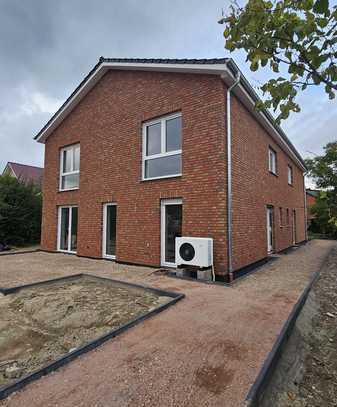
<point x="146" y="150"/>
<point x="25" y="173"/>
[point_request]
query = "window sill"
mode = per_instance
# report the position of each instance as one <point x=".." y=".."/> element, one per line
<point x="69" y="189"/>
<point x="159" y="178"/>
<point x="291" y="185"/>
<point x="273" y="173"/>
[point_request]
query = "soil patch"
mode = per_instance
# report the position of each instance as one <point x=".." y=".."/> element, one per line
<point x="306" y="374"/>
<point x="42" y="323"/>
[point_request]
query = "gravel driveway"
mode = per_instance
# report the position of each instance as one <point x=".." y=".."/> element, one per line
<point x="204" y="351"/>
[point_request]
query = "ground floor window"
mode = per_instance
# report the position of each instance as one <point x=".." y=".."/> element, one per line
<point x="67" y="228"/>
<point x="109" y="230"/>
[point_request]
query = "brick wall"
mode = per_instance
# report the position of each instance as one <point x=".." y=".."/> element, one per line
<point x="254" y="187"/>
<point x="108" y="125"/>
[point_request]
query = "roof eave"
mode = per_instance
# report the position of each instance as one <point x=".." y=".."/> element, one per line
<point x="249" y="97"/>
<point x="226" y="70"/>
<point x="101" y="68"/>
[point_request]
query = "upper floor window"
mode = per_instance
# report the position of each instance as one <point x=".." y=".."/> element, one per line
<point x="290" y="175"/>
<point x="272" y="161"/>
<point x="162" y="147"/>
<point x="70" y="167"/>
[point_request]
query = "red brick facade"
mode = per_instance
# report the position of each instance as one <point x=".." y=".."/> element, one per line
<point x="254" y="187"/>
<point x="108" y="125"/>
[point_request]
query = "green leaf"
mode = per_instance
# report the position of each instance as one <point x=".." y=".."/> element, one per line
<point x="254" y="66"/>
<point x="321" y="6"/>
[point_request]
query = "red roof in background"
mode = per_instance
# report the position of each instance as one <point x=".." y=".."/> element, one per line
<point x="27" y="173"/>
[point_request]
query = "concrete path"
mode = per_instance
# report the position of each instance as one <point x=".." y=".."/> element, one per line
<point x="204" y="351"/>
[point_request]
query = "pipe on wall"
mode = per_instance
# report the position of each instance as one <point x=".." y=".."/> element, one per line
<point x="229" y="178"/>
<point x="305" y="210"/>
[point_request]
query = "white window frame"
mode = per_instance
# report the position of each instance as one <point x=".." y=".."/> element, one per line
<point x="163" y="204"/>
<point x="73" y="172"/>
<point x="105" y="208"/>
<point x="290" y="175"/>
<point x="162" y="120"/>
<point x="272" y="161"/>
<point x="59" y="211"/>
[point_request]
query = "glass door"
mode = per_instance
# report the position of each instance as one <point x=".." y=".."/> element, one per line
<point x="171" y="227"/>
<point x="294" y="226"/>
<point x="109" y="230"/>
<point x="270" y="237"/>
<point x="67" y="228"/>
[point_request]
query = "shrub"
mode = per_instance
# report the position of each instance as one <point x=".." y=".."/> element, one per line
<point x="20" y="212"/>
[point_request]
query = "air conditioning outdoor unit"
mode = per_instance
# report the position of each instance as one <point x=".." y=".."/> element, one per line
<point x="194" y="251"/>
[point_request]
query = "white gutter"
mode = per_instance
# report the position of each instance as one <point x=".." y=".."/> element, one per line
<point x="229" y="179"/>
<point x="305" y="210"/>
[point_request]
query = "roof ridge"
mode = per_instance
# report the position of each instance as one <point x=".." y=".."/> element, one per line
<point x="165" y="60"/>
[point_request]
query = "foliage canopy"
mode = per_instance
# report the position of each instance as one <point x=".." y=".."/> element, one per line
<point x="323" y="169"/>
<point x="20" y="212"/>
<point x="300" y="35"/>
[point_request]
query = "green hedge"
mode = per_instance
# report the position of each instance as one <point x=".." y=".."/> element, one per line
<point x="20" y="212"/>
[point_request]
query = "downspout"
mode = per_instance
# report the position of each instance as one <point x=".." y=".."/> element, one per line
<point x="305" y="211"/>
<point x="229" y="179"/>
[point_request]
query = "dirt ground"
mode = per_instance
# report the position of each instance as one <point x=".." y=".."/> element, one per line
<point x="206" y="350"/>
<point x="307" y="372"/>
<point x="40" y="324"/>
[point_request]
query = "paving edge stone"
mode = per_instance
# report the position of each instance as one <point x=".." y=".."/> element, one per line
<point x="6" y="390"/>
<point x="257" y="390"/>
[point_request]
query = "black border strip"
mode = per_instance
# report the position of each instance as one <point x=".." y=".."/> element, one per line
<point x="5" y="391"/>
<point x="8" y="253"/>
<point x="257" y="390"/>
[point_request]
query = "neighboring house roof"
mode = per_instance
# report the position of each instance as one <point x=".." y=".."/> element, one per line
<point x="224" y="67"/>
<point x="25" y="173"/>
<point x="313" y="192"/>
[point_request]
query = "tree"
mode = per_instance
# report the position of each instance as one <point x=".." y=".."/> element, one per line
<point x="323" y="169"/>
<point x="299" y="35"/>
<point x="20" y="212"/>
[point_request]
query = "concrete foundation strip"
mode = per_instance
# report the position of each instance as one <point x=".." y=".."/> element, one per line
<point x="257" y="391"/>
<point x="6" y="390"/>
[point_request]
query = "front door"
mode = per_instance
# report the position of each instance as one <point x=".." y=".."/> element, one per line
<point x="171" y="227"/>
<point x="270" y="237"/>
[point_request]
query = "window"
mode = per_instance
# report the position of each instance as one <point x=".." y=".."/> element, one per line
<point x="281" y="217"/>
<point x="272" y="161"/>
<point x="287" y="216"/>
<point x="67" y="228"/>
<point x="290" y="175"/>
<point x="70" y="167"/>
<point x="162" y="147"/>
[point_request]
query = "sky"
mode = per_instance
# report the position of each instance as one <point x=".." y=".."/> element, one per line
<point x="47" y="47"/>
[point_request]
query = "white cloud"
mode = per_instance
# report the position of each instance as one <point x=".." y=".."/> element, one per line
<point x="37" y="102"/>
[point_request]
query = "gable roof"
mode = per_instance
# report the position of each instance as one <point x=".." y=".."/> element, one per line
<point x="223" y="67"/>
<point x="25" y="173"/>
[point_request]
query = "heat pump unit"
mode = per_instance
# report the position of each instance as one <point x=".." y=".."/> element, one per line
<point x="194" y="251"/>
